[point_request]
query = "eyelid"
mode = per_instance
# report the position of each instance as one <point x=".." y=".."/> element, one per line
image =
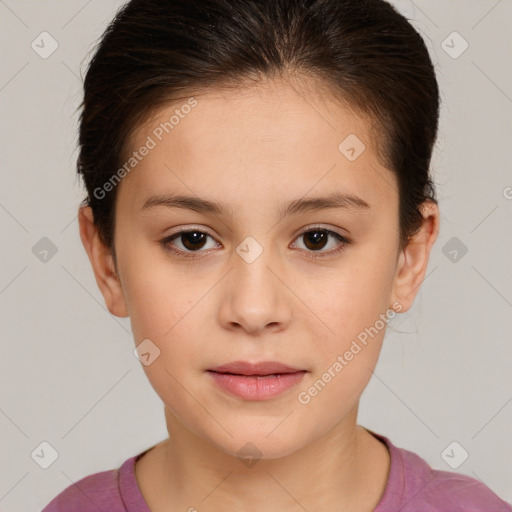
<point x="193" y="227"/>
<point x="298" y="233"/>
<point x="323" y="227"/>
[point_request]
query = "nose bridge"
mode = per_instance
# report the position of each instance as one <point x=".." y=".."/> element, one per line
<point x="251" y="265"/>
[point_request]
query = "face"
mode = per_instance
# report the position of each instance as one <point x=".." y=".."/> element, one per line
<point x="263" y="270"/>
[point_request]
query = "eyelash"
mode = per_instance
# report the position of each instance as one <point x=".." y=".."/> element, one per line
<point x="166" y="243"/>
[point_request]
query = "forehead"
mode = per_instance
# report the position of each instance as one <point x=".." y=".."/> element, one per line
<point x="257" y="141"/>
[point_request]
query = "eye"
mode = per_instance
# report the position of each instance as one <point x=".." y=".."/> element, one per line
<point x="317" y="238"/>
<point x="191" y="241"/>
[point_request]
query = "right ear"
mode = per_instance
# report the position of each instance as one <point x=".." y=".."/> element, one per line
<point x="102" y="263"/>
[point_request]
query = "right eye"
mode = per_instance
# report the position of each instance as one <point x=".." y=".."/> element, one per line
<point x="191" y="241"/>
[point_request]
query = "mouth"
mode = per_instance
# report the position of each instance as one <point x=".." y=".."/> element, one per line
<point x="259" y="381"/>
<point x="262" y="368"/>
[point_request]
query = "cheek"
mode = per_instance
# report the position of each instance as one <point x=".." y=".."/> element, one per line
<point x="171" y="314"/>
<point x="356" y="311"/>
<point x="355" y="307"/>
<point x="158" y="295"/>
<point x="357" y="293"/>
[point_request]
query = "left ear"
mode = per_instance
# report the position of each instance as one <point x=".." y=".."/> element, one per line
<point x="413" y="259"/>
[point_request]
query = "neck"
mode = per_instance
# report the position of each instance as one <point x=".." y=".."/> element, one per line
<point x="345" y="468"/>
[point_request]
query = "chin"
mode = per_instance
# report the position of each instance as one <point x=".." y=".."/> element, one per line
<point x="250" y="444"/>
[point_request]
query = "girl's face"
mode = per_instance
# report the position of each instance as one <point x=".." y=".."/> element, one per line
<point x="265" y="274"/>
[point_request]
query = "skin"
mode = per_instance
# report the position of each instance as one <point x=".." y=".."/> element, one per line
<point x="254" y="149"/>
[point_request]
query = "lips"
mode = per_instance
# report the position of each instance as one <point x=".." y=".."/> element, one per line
<point x="261" y="368"/>
<point x="256" y="381"/>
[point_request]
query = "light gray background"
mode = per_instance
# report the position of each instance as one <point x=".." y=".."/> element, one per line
<point x="68" y="374"/>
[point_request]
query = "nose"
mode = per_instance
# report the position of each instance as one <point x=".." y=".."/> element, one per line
<point x="255" y="297"/>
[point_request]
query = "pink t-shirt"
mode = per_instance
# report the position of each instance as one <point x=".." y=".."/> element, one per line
<point x="413" y="486"/>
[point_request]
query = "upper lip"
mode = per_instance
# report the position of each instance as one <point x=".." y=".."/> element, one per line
<point x="261" y="368"/>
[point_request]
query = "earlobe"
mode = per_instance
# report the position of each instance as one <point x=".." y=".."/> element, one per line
<point x="413" y="259"/>
<point x="102" y="263"/>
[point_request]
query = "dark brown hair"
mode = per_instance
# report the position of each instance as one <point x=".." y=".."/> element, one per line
<point x="155" y="51"/>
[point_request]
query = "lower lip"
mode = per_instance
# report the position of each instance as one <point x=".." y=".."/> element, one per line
<point x="261" y="387"/>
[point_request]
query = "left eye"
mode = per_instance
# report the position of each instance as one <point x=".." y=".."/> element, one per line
<point x="192" y="241"/>
<point x="317" y="238"/>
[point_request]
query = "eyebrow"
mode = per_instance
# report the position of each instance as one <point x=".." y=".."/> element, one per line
<point x="336" y="200"/>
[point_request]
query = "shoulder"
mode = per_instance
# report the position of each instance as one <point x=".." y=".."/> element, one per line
<point x="432" y="489"/>
<point x="99" y="491"/>
<point x="415" y="486"/>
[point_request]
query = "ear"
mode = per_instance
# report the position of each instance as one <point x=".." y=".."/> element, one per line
<point x="413" y="259"/>
<point x="102" y="263"/>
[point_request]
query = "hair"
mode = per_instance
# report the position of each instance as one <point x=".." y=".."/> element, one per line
<point x="364" y="51"/>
